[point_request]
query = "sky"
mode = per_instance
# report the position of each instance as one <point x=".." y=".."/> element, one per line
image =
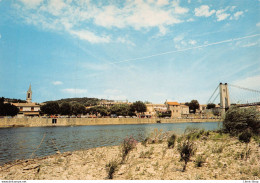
<point x="148" y="50"/>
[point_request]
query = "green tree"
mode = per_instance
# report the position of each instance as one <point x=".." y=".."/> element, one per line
<point x="240" y="119"/>
<point x="103" y="111"/>
<point x="193" y="105"/>
<point x="138" y="106"/>
<point x="78" y="109"/>
<point x="50" y="108"/>
<point x="65" y="108"/>
<point x="8" y="109"/>
<point x="120" y="109"/>
<point x="211" y="106"/>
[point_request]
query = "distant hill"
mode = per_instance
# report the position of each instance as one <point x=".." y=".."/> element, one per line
<point x="13" y="100"/>
<point x="84" y="101"/>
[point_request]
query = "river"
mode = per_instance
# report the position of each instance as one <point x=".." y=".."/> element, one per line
<point x="20" y="143"/>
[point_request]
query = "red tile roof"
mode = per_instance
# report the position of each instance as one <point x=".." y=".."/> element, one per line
<point x="173" y="103"/>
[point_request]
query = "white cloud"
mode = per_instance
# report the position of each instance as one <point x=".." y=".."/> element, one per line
<point x="125" y="41"/>
<point x="180" y="42"/>
<point x="232" y="8"/>
<point x="0" y="36"/>
<point x="76" y="18"/>
<point x="57" y="83"/>
<point x="249" y="44"/>
<point x="190" y="20"/>
<point x="244" y="44"/>
<point x="181" y="10"/>
<point x="203" y="10"/>
<point x="192" y="42"/>
<point x="55" y="6"/>
<point x="163" y="30"/>
<point x="162" y="2"/>
<point x="251" y="82"/>
<point x="90" y="36"/>
<point x="221" y="15"/>
<point x="178" y="38"/>
<point x="238" y="14"/>
<point x="258" y="24"/>
<point x="31" y="3"/>
<point x="75" y="91"/>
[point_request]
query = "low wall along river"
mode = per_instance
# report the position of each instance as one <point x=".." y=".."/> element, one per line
<point x="38" y="121"/>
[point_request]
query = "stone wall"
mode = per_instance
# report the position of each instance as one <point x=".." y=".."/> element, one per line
<point x="38" y="121"/>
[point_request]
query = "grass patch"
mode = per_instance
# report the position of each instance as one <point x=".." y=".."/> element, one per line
<point x="147" y="154"/>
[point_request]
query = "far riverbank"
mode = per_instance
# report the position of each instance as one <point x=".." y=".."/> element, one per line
<point x="43" y="122"/>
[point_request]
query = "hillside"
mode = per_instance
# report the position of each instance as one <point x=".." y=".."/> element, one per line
<point x="84" y="101"/>
<point x="13" y="100"/>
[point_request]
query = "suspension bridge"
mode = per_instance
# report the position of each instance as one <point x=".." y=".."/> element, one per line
<point x="229" y="94"/>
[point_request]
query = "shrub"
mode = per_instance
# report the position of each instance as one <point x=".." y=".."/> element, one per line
<point x="186" y="150"/>
<point x="111" y="168"/>
<point x="156" y="136"/>
<point x="128" y="144"/>
<point x="240" y="119"/>
<point x="199" y="161"/>
<point x="245" y="137"/>
<point x="171" y="141"/>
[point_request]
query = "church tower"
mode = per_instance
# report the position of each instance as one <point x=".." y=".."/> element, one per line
<point x="29" y="95"/>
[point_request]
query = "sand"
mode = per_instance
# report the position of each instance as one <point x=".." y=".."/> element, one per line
<point x="224" y="159"/>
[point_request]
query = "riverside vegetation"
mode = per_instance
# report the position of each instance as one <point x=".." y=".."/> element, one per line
<point x="197" y="154"/>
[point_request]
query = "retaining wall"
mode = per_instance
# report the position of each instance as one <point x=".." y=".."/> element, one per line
<point x="38" y="121"/>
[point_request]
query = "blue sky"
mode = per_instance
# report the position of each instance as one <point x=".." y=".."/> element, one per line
<point x="137" y="50"/>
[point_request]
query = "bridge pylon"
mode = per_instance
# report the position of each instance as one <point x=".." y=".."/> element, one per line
<point x="224" y="97"/>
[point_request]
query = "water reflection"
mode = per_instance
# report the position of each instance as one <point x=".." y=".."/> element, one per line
<point x="20" y="143"/>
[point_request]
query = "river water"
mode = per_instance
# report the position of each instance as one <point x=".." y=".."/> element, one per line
<point x="20" y="143"/>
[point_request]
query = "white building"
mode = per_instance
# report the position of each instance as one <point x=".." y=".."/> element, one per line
<point x="29" y="108"/>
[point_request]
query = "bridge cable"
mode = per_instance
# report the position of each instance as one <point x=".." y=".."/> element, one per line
<point x="240" y="87"/>
<point x="215" y="98"/>
<point x="213" y="94"/>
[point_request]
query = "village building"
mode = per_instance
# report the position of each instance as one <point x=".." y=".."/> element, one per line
<point x="153" y="109"/>
<point x="110" y="103"/>
<point x="29" y="108"/>
<point x="178" y="110"/>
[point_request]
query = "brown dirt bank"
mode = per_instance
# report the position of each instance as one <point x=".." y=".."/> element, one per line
<point x="38" y="121"/>
<point x="223" y="158"/>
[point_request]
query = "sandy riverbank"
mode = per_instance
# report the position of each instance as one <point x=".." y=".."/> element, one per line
<point x="224" y="158"/>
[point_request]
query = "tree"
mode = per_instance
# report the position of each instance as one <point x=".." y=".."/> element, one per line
<point x="103" y="111"/>
<point x="193" y="105"/>
<point x="50" y="108"/>
<point x="7" y="109"/>
<point x="240" y="119"/>
<point x="211" y="106"/>
<point x="65" y="108"/>
<point x="78" y="109"/>
<point x="138" y="106"/>
<point x="120" y="109"/>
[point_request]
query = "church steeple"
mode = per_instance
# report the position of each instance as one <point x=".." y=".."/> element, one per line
<point x="29" y="95"/>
